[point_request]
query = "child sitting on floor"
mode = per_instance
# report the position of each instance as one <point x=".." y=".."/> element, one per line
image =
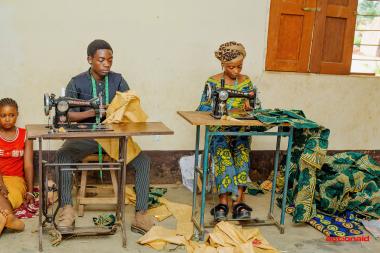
<point x="16" y="166"/>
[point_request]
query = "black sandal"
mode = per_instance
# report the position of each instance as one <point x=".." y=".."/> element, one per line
<point x="220" y="212"/>
<point x="241" y="211"/>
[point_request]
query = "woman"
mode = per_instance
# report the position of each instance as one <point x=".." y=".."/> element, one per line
<point x="230" y="154"/>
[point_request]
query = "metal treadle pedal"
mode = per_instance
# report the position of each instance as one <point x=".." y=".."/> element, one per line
<point x="90" y="231"/>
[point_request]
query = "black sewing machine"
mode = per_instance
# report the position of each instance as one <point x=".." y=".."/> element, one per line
<point x="219" y="99"/>
<point x="62" y="106"/>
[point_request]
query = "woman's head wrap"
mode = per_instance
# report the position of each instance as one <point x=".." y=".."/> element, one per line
<point x="230" y="51"/>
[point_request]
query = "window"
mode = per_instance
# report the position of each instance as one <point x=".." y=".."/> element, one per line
<point x="317" y="36"/>
<point x="366" y="52"/>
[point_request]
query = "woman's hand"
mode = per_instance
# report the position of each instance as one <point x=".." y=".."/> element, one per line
<point x="247" y="106"/>
<point x="28" y="198"/>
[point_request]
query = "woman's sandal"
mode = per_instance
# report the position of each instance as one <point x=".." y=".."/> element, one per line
<point x="241" y="211"/>
<point x="220" y="212"/>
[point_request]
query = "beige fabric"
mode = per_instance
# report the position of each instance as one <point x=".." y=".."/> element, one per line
<point x="225" y="238"/>
<point x="125" y="107"/>
<point x="158" y="237"/>
<point x="130" y="196"/>
<point x="182" y="213"/>
<point x="160" y="213"/>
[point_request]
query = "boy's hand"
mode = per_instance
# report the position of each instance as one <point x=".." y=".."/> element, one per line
<point x="4" y="191"/>
<point x="28" y="198"/>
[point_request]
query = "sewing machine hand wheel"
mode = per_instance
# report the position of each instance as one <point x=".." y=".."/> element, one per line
<point x="208" y="93"/>
<point x="47" y="104"/>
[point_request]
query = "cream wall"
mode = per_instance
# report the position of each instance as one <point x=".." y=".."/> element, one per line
<point x="164" y="48"/>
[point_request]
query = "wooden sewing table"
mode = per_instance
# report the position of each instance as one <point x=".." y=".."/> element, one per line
<point x="41" y="132"/>
<point x="198" y="119"/>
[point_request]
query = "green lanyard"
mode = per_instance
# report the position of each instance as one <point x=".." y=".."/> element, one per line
<point x="95" y="94"/>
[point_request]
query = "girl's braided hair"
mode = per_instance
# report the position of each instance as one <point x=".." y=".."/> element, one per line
<point x="8" y="101"/>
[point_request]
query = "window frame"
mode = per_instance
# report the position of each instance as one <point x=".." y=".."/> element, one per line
<point x="314" y="61"/>
<point x="359" y="44"/>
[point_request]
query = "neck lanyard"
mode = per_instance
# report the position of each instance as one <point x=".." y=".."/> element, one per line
<point x="95" y="94"/>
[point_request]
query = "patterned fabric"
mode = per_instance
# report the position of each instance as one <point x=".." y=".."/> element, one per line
<point x="230" y="154"/>
<point x="234" y="103"/>
<point x="104" y="220"/>
<point x="336" y="184"/>
<point x="333" y="226"/>
<point x="155" y="193"/>
<point x="349" y="181"/>
<point x="32" y="210"/>
<point x="308" y="154"/>
<point x="310" y="142"/>
<point x="277" y="116"/>
<point x="28" y="211"/>
<point x="230" y="51"/>
<point x="347" y="185"/>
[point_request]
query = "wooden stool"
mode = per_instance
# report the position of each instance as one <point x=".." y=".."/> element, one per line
<point x="82" y="199"/>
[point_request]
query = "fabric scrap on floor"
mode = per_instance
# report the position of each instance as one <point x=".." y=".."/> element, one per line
<point x="153" y="198"/>
<point x="253" y="188"/>
<point x="104" y="220"/>
<point x="225" y="238"/>
<point x="333" y="226"/>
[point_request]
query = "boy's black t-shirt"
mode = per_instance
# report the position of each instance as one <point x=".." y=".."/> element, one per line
<point x="80" y="86"/>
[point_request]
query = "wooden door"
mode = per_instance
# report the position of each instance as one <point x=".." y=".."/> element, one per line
<point x="289" y="36"/>
<point x="333" y="37"/>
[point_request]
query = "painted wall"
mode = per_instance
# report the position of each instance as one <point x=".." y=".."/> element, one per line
<point x="164" y="49"/>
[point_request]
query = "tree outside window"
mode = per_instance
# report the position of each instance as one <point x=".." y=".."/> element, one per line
<point x="366" y="51"/>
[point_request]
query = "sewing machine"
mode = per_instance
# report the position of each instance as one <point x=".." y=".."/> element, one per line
<point x="62" y="106"/>
<point x="219" y="98"/>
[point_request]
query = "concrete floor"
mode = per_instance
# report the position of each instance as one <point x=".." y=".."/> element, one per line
<point x="297" y="238"/>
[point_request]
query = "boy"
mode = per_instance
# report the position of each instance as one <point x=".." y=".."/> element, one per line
<point x="99" y="79"/>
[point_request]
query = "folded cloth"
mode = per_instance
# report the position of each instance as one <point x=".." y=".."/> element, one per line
<point x="225" y="237"/>
<point x="125" y="107"/>
<point x="332" y="225"/>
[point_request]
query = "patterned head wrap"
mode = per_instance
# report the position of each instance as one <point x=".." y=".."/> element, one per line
<point x="230" y="51"/>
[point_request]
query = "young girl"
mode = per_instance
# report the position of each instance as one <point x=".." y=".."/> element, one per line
<point x="16" y="166"/>
<point x="230" y="154"/>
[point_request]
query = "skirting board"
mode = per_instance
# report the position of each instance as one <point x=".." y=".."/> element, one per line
<point x="165" y="165"/>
